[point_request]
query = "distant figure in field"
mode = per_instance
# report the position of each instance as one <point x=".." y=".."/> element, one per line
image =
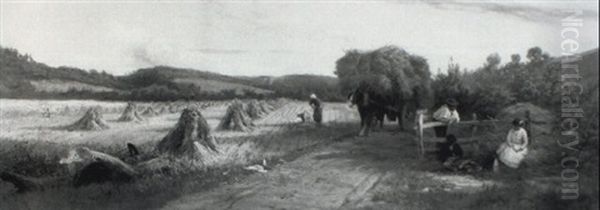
<point x="304" y="116"/>
<point x="513" y="151"/>
<point x="46" y="113"/>
<point x="447" y="114"/>
<point x="315" y="103"/>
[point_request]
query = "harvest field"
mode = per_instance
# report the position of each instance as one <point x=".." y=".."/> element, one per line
<point x="252" y="105"/>
<point x="33" y="139"/>
<point x="307" y="166"/>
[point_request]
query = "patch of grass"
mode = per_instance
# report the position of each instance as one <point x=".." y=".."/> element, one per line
<point x="40" y="159"/>
<point x="536" y="185"/>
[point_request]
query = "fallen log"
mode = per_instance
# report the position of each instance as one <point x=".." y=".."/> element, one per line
<point x="25" y="184"/>
<point x="98" y="167"/>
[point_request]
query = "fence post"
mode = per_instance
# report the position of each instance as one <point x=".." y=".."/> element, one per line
<point x="420" y="134"/>
<point x="473" y="131"/>
<point x="528" y="125"/>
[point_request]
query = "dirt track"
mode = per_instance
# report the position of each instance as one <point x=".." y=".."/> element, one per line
<point x="341" y="175"/>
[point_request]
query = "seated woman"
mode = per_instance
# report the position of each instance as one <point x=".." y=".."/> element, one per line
<point x="512" y="152"/>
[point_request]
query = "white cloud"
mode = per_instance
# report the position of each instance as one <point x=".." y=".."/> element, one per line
<point x="277" y="38"/>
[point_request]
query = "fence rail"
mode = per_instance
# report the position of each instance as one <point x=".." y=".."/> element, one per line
<point x="421" y="126"/>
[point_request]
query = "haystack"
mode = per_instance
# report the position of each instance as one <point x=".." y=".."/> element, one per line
<point x="172" y="108"/>
<point x="163" y="109"/>
<point x="150" y="112"/>
<point x="130" y="114"/>
<point x="205" y="105"/>
<point x="66" y="110"/>
<point x="541" y="120"/>
<point x="91" y="120"/>
<point x="235" y="118"/>
<point x="190" y="137"/>
<point x="265" y="107"/>
<point x="276" y="104"/>
<point x="254" y="110"/>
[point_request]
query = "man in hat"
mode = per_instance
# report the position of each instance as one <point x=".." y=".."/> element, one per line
<point x="315" y="103"/>
<point x="447" y="114"/>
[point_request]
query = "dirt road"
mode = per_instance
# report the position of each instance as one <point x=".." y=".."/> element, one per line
<point x="343" y="175"/>
<point x="324" y="179"/>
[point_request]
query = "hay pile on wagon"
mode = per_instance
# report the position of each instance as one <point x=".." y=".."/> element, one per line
<point x="389" y="74"/>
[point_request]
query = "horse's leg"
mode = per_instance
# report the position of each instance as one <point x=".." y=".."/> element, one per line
<point x="363" y="119"/>
<point x="380" y="118"/>
<point x="400" y="117"/>
<point x="370" y="117"/>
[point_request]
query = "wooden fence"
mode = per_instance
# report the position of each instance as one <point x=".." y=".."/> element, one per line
<point x="420" y="126"/>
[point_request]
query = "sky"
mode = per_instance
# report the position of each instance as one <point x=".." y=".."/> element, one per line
<point x="282" y="37"/>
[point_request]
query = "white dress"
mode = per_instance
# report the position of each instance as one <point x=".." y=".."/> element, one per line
<point x="513" y="151"/>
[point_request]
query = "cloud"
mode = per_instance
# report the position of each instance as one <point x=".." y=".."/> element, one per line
<point x="548" y="14"/>
<point x="279" y="51"/>
<point x="141" y="56"/>
<point x="154" y="54"/>
<point x="241" y="51"/>
<point x="220" y="51"/>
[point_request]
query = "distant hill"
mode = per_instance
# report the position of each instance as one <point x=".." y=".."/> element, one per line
<point x="23" y="77"/>
<point x="19" y="70"/>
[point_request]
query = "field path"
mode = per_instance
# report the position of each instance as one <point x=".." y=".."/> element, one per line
<point x="340" y="175"/>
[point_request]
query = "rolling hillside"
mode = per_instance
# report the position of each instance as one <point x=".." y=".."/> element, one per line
<point x="23" y="77"/>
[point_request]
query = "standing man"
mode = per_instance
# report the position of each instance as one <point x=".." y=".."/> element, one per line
<point x="447" y="114"/>
<point x="315" y="103"/>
